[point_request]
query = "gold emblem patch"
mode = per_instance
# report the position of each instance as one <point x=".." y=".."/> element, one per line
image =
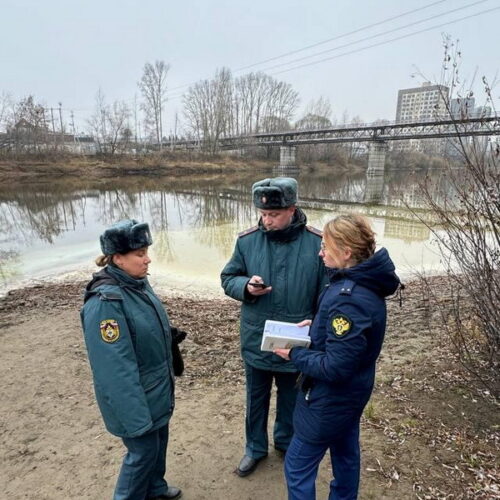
<point x="110" y="331"/>
<point x="341" y="325"/>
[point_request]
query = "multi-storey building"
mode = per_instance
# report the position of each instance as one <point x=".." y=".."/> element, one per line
<point x="422" y="104"/>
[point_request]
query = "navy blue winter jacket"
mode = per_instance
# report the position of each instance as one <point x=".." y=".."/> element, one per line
<point x="346" y="338"/>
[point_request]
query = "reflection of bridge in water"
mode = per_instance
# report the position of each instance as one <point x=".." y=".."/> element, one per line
<point x="44" y="214"/>
<point x="401" y="213"/>
<point x="376" y="135"/>
<point x="406" y="230"/>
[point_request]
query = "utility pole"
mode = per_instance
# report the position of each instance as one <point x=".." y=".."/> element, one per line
<point x="74" y="132"/>
<point x="73" y="123"/>
<point x="44" y="128"/>
<point x="175" y="129"/>
<point x="160" y="127"/>
<point x="53" y="128"/>
<point x="135" y="120"/>
<point x="61" y="124"/>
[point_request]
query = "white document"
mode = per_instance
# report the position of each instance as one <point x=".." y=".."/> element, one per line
<point x="281" y="335"/>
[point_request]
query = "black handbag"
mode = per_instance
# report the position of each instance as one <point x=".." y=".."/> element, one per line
<point x="178" y="363"/>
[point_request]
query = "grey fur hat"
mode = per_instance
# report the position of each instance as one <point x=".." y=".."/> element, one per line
<point x="125" y="236"/>
<point x="280" y="192"/>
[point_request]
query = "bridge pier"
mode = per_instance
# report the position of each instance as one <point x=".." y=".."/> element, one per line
<point x="287" y="156"/>
<point x="376" y="158"/>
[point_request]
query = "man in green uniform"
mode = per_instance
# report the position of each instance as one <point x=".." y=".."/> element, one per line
<point x="277" y="274"/>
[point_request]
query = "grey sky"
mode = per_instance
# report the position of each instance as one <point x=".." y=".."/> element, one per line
<point x="65" y="50"/>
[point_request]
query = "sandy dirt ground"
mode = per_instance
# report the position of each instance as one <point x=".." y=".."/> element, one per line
<point x="424" y="435"/>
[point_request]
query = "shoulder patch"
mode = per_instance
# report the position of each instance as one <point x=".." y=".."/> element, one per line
<point x="341" y="325"/>
<point x="110" y="331"/>
<point x="250" y="230"/>
<point x="315" y="231"/>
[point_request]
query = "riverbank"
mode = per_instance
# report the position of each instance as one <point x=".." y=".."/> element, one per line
<point x="424" y="434"/>
<point x="90" y="167"/>
<point x="176" y="164"/>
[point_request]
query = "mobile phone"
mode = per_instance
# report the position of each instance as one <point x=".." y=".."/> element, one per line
<point x="258" y="285"/>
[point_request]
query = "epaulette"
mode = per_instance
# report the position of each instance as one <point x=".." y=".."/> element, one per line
<point x="315" y="231"/>
<point x="347" y="287"/>
<point x="248" y="231"/>
<point x="105" y="295"/>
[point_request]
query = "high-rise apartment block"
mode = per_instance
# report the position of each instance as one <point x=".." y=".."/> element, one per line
<point x="421" y="104"/>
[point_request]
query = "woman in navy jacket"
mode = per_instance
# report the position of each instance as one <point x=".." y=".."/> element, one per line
<point x="339" y="369"/>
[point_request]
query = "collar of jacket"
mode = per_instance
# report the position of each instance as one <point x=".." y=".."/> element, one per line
<point x="291" y="232"/>
<point x="125" y="278"/>
<point x="376" y="273"/>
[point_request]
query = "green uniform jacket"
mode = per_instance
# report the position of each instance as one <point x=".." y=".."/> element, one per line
<point x="128" y="338"/>
<point x="288" y="261"/>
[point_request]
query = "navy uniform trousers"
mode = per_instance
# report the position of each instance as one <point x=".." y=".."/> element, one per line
<point x="302" y="461"/>
<point x="258" y="386"/>
<point x="143" y="467"/>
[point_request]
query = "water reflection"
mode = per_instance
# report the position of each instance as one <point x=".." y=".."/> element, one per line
<point x="53" y="227"/>
<point x="374" y="188"/>
<point x="407" y="231"/>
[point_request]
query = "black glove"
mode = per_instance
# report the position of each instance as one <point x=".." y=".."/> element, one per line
<point x="178" y="335"/>
<point x="178" y="363"/>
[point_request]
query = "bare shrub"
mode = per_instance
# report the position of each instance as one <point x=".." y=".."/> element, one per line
<point x="465" y="204"/>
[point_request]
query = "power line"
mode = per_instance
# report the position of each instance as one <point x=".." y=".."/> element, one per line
<point x="363" y="28"/>
<point x="374" y="36"/>
<point x="384" y="42"/>
<point x="326" y="41"/>
<point x="387" y="41"/>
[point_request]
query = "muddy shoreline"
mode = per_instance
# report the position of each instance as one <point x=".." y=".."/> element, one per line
<point x="32" y="169"/>
<point x="95" y="167"/>
<point x="425" y="434"/>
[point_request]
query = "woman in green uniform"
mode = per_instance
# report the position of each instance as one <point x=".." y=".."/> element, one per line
<point x="129" y="343"/>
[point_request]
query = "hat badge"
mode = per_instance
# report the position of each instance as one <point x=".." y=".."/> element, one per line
<point x="263" y="200"/>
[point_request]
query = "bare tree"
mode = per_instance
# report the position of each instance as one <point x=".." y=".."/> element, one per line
<point x="207" y="109"/>
<point x="222" y="106"/>
<point x="27" y="125"/>
<point x="118" y="126"/>
<point x="97" y="121"/>
<point x="5" y="104"/>
<point x="110" y="124"/>
<point x="317" y="115"/>
<point x="153" y="86"/>
<point x="281" y="103"/>
<point x="251" y="94"/>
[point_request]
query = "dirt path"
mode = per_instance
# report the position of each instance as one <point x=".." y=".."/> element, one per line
<point x="424" y="436"/>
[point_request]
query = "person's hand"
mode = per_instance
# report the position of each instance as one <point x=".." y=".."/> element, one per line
<point x="257" y="290"/>
<point x="283" y="353"/>
<point x="305" y="322"/>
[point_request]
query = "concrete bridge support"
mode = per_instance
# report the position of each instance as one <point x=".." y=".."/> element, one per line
<point x="376" y="158"/>
<point x="287" y="156"/>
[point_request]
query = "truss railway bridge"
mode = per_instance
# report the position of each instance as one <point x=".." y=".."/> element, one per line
<point x="378" y="137"/>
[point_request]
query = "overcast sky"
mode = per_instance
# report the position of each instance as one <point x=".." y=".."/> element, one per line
<point x="63" y="51"/>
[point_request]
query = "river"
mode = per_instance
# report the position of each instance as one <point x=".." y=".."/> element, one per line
<point x="49" y="231"/>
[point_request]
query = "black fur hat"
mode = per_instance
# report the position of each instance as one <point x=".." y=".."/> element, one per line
<point x="125" y="236"/>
